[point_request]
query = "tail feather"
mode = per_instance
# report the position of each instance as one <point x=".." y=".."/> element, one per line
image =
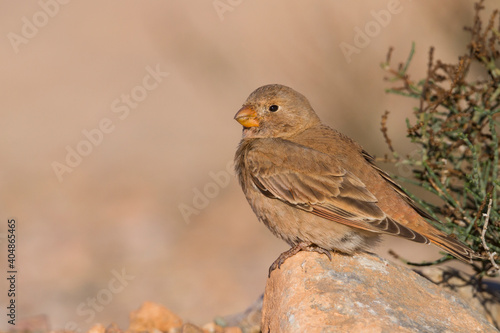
<point x="454" y="247"/>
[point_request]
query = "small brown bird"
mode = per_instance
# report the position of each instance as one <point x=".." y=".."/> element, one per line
<point x="316" y="188"/>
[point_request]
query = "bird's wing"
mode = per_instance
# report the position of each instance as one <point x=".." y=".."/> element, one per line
<point x="315" y="182"/>
<point x="397" y="188"/>
<point x="450" y="244"/>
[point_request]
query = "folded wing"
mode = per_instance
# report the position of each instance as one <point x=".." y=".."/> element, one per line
<point x="315" y="182"/>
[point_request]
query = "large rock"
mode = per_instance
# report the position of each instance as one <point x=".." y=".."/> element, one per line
<point x="361" y="293"/>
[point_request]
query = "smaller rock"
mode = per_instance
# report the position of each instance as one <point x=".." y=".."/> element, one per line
<point x="97" y="328"/>
<point x="190" y="328"/>
<point x="152" y="317"/>
<point x="248" y="320"/>
<point x="113" y="328"/>
<point x="213" y="328"/>
<point x="232" y="330"/>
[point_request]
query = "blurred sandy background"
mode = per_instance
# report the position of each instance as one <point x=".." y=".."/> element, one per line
<point x="119" y="208"/>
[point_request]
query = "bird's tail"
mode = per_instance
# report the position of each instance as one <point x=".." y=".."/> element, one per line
<point x="454" y="247"/>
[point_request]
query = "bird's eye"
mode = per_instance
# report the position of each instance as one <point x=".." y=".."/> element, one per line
<point x="273" y="108"/>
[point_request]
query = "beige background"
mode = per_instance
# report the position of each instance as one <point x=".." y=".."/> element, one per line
<point x="119" y="208"/>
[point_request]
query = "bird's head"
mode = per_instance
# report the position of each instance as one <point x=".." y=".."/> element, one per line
<point x="275" y="111"/>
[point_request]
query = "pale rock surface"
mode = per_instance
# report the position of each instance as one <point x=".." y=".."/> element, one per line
<point x="361" y="293"/>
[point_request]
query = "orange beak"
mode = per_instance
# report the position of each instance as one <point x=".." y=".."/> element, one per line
<point x="247" y="117"/>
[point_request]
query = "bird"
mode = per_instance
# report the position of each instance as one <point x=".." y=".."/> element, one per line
<point x="316" y="188"/>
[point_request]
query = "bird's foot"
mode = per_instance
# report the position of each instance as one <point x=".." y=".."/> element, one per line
<point x="302" y="246"/>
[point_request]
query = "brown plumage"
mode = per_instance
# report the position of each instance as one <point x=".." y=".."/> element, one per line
<point x="316" y="188"/>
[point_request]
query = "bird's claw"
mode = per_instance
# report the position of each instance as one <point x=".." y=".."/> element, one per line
<point x="302" y="246"/>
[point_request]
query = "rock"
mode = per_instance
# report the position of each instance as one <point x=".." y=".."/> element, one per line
<point x="97" y="328"/>
<point x="248" y="321"/>
<point x="208" y="328"/>
<point x="213" y="328"/>
<point x="155" y="318"/>
<point x="190" y="328"/>
<point x="232" y="330"/>
<point x="152" y="317"/>
<point x="361" y="293"/>
<point x="113" y="328"/>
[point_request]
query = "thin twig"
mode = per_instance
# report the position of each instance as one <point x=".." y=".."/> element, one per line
<point x="491" y="255"/>
<point x="384" y="131"/>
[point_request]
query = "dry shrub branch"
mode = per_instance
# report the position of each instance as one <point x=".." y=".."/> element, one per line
<point x="456" y="129"/>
